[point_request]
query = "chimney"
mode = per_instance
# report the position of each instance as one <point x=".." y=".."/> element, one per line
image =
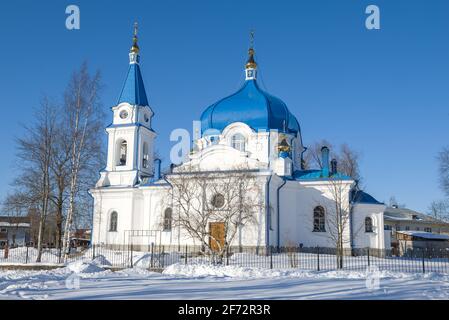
<point x="334" y="166"/>
<point x="325" y="161"/>
<point x="157" y="169"/>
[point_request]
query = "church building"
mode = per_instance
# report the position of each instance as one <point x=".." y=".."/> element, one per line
<point x="249" y="129"/>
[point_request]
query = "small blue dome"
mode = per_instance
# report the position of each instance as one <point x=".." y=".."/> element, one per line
<point x="252" y="106"/>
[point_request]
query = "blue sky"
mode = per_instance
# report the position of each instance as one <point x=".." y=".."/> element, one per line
<point x="384" y="92"/>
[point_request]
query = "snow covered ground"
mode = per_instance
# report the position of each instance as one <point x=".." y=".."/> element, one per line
<point x="82" y="280"/>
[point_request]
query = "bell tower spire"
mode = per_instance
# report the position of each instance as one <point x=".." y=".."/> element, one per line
<point x="251" y="65"/>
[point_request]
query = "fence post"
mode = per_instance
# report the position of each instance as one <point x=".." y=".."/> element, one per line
<point x="26" y="257"/>
<point x="93" y="252"/>
<point x="186" y="256"/>
<point x="59" y="254"/>
<point x="271" y="257"/>
<point x="131" y="256"/>
<point x="152" y="253"/>
<point x="227" y="256"/>
<point x="423" y="262"/>
<point x="318" y="258"/>
<point x="368" y="257"/>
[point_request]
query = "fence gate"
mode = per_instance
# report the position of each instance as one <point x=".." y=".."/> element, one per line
<point x="140" y="240"/>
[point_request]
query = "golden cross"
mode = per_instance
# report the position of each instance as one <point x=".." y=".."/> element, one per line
<point x="251" y="38"/>
<point x="135" y="29"/>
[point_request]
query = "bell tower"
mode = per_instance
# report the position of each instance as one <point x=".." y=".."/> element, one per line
<point x="130" y="135"/>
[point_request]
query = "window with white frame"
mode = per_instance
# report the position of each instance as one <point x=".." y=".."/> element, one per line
<point x="238" y="142"/>
<point x="168" y="219"/>
<point x="319" y="222"/>
<point x="113" y="220"/>
<point x="368" y="224"/>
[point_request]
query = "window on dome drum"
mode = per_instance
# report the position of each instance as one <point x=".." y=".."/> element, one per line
<point x="218" y="200"/>
<point x="319" y="223"/>
<point x="123" y="153"/>
<point x="368" y="224"/>
<point x="167" y="219"/>
<point x="238" y="142"/>
<point x="113" y="221"/>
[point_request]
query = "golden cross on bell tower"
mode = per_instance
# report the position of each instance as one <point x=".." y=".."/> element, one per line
<point x="251" y="38"/>
<point x="135" y="28"/>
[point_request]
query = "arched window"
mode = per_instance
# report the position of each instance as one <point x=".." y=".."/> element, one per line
<point x="113" y="221"/>
<point x="145" y="155"/>
<point x="123" y="151"/>
<point x="319" y="224"/>
<point x="368" y="224"/>
<point x="167" y="219"/>
<point x="238" y="142"/>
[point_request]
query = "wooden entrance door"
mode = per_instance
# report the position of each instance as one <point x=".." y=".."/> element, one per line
<point x="217" y="232"/>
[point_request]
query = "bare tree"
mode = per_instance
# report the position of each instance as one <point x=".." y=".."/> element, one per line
<point x="82" y="126"/>
<point x="443" y="158"/>
<point x="337" y="215"/>
<point x="60" y="175"/>
<point x="35" y="152"/>
<point x="348" y="161"/>
<point x="393" y="203"/>
<point x="439" y="209"/>
<point x="231" y="198"/>
<point x="347" y="158"/>
<point x="312" y="157"/>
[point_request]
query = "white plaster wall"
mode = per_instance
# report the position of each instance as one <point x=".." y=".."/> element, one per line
<point x="298" y="200"/>
<point x="362" y="239"/>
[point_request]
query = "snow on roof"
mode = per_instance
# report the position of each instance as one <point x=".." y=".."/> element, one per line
<point x="425" y="235"/>
<point x="7" y="224"/>
<point x="404" y="214"/>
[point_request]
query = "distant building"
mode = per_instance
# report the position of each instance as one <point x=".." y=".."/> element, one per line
<point x="410" y="240"/>
<point x="405" y="228"/>
<point x="14" y="231"/>
<point x="80" y="238"/>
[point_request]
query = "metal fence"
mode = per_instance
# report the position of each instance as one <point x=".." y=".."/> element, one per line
<point x="301" y="258"/>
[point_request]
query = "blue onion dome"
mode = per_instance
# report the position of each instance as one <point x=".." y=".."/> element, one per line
<point x="250" y="105"/>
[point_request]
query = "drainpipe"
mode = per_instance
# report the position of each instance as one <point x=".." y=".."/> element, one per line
<point x="351" y="227"/>
<point x="267" y="212"/>
<point x="351" y="217"/>
<point x="279" y="214"/>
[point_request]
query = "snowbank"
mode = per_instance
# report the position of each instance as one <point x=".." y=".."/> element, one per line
<point x="84" y="267"/>
<point x="201" y="270"/>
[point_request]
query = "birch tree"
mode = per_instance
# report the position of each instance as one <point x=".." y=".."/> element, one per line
<point x="82" y="126"/>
